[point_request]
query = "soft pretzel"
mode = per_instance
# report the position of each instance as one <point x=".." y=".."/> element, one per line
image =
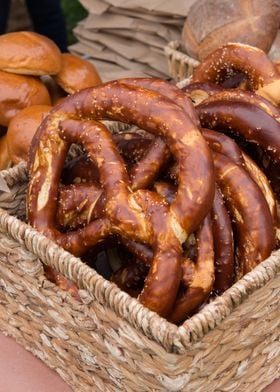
<point x="147" y="110"/>
<point x="249" y="211"/>
<point x="244" y="119"/>
<point x="131" y="220"/>
<point x="237" y="57"/>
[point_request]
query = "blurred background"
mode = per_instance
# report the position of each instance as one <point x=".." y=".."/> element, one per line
<point x="73" y="12"/>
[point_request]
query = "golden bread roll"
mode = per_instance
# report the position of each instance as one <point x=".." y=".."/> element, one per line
<point x="29" y="53"/>
<point x="22" y="129"/>
<point x="5" y="159"/>
<point x="18" y="92"/>
<point x="76" y="74"/>
<point x="212" y="23"/>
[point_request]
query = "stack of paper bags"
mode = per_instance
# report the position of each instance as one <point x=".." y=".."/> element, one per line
<point x="127" y="37"/>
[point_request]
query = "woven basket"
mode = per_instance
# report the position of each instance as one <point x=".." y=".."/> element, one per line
<point x="110" y="342"/>
<point x="180" y="65"/>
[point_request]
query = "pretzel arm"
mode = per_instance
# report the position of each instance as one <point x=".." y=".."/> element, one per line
<point x="162" y="283"/>
<point x="146" y="170"/>
<point x="235" y="95"/>
<point x="80" y="204"/>
<point x="237" y="57"/>
<point x="223" y="144"/>
<point x="223" y="244"/>
<point x="244" y="119"/>
<point x="198" y="277"/>
<point x="249" y="212"/>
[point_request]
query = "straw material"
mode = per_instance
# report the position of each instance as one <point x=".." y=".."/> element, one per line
<point x="180" y="65"/>
<point x="110" y="342"/>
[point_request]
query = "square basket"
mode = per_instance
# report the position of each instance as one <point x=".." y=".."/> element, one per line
<point x="110" y="342"/>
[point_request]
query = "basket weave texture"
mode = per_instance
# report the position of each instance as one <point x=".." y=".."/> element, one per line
<point x="110" y="342"/>
<point x="180" y="65"/>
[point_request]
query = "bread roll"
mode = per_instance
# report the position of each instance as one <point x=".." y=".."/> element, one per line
<point x="22" y="129"/>
<point x="76" y="74"/>
<point x="212" y="23"/>
<point x="5" y="160"/>
<point x="29" y="53"/>
<point x="18" y="92"/>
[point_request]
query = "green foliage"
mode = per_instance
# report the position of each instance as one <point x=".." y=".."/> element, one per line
<point x="73" y="12"/>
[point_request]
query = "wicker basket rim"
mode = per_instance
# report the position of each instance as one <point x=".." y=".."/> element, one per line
<point x="171" y="337"/>
<point x="171" y="50"/>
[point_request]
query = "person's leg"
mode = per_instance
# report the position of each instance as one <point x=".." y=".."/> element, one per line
<point x="48" y="19"/>
<point x="4" y="14"/>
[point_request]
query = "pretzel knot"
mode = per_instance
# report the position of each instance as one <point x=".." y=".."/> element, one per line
<point x="141" y="216"/>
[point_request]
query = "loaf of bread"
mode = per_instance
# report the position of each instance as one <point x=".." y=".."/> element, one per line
<point x="211" y="23"/>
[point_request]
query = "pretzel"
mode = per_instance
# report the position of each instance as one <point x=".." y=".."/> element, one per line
<point x="223" y="244"/>
<point x="249" y="212"/>
<point x="236" y="95"/>
<point x="130" y="277"/>
<point x="244" y="119"/>
<point x="130" y="220"/>
<point x="198" y="277"/>
<point x="113" y="101"/>
<point x="237" y="57"/>
<point x="80" y="204"/>
<point x="261" y="180"/>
